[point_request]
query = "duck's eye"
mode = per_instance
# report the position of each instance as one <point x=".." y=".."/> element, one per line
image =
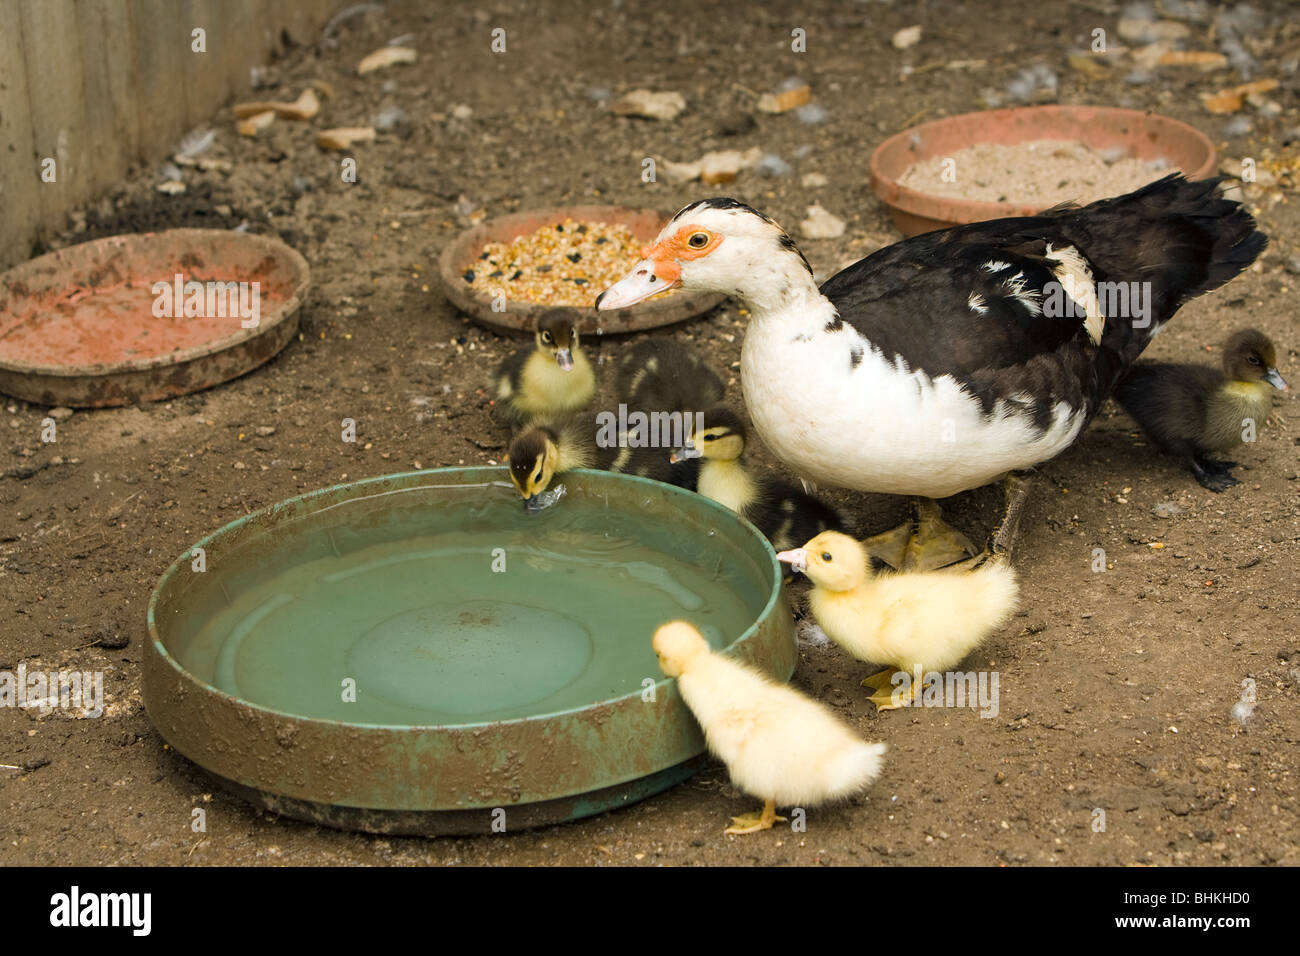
<point x="1253" y="360"/>
<point x="711" y="437"/>
<point x="546" y="337"/>
<point x="698" y="240"/>
<point x="826" y="556"/>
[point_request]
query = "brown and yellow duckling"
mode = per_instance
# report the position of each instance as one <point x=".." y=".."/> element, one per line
<point x="783" y="511"/>
<point x="1191" y="410"/>
<point x="553" y="377"/>
<point x="558" y="444"/>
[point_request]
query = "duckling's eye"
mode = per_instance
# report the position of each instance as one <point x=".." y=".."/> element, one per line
<point x="698" y="240"/>
<point x="1253" y="360"/>
<point x="711" y="437"/>
<point x="826" y="556"/>
<point x="546" y="337"/>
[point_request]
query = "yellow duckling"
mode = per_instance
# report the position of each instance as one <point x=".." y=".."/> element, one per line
<point x="778" y="744"/>
<point x="551" y="378"/>
<point x="917" y="622"/>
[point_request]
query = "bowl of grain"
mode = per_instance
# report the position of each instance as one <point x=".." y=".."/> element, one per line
<point x="505" y="271"/>
<point x="1018" y="162"/>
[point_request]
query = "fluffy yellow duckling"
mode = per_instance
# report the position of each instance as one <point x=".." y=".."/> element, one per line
<point x="922" y="621"/>
<point x="777" y="743"/>
<point x="551" y="378"/>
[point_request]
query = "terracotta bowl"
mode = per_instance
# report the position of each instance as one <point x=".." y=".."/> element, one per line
<point x="463" y="252"/>
<point x="1145" y="135"/>
<point x="84" y="326"/>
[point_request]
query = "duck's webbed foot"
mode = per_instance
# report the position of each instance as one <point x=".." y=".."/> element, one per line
<point x="925" y="543"/>
<point x="756" y="821"/>
<point x="1215" y="475"/>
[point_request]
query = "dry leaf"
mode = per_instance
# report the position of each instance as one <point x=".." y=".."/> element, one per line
<point x="385" y="56"/>
<point x="786" y="100"/>
<point x="1234" y="97"/>
<point x="659" y="106"/>
<point x="344" y="137"/>
<point x="908" y="36"/>
<point x="1205" y="59"/>
<point x="717" y="167"/>
<point x="251" y="125"/>
<point x="1088" y="65"/>
<point x="305" y="107"/>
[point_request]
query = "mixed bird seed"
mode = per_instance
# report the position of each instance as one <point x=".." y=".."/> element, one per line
<point x="1042" y="172"/>
<point x="568" y="263"/>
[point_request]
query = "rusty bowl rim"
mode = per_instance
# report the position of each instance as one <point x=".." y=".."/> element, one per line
<point x="961" y="211"/>
<point x="656" y="313"/>
<point x="281" y="313"/>
<point x="774" y="598"/>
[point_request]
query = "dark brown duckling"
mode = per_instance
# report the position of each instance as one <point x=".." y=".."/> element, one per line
<point x="1191" y="410"/>
<point x="664" y="375"/>
<point x="553" y="377"/>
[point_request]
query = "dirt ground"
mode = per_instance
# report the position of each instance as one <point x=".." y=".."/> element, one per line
<point x="1117" y="688"/>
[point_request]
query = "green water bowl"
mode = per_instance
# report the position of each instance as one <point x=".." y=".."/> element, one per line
<point x="416" y="654"/>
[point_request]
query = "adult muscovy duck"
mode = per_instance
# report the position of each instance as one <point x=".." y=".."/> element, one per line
<point x="953" y="358"/>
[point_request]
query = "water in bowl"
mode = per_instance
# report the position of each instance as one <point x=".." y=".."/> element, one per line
<point x="461" y="615"/>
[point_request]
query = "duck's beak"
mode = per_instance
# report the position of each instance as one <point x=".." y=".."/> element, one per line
<point x="684" y="454"/>
<point x="533" y="505"/>
<point x="564" y="359"/>
<point x="1274" y="378"/>
<point x="797" y="559"/>
<point x="650" y="277"/>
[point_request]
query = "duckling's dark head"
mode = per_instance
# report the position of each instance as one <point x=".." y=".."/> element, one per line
<point x="557" y="334"/>
<point x="1249" y="356"/>
<point x="532" y="463"/>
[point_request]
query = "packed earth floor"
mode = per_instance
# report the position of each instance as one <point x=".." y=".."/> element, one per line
<point x="1117" y="686"/>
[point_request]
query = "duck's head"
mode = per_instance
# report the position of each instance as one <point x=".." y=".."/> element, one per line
<point x="532" y="464"/>
<point x="557" y="335"/>
<point x="719" y="435"/>
<point x="1249" y="356"/>
<point x="677" y="644"/>
<point x="716" y="245"/>
<point x="831" y="560"/>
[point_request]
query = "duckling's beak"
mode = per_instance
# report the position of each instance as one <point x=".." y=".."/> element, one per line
<point x="564" y="359"/>
<point x="797" y="559"/>
<point x="533" y="505"/>
<point x="650" y="277"/>
<point x="1274" y="378"/>
<point x="685" y="454"/>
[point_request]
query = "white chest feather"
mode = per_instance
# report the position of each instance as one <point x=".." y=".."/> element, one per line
<point x="879" y="426"/>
